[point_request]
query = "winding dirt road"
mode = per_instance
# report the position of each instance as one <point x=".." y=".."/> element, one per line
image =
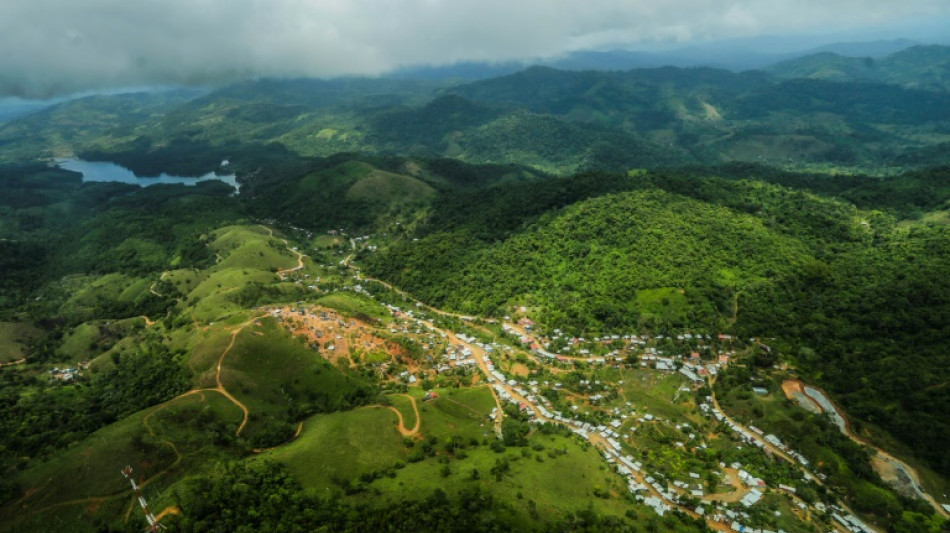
<point x="283" y="272"/>
<point x="220" y="386"/>
<point x="790" y="386"/>
<point x="777" y="452"/>
<point x="401" y="424"/>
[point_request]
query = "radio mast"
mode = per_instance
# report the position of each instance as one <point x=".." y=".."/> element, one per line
<point x="153" y="524"/>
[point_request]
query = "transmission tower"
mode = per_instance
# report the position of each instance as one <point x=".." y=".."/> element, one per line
<point x="153" y="525"/>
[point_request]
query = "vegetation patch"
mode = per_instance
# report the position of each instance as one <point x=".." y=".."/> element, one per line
<point x="15" y="338"/>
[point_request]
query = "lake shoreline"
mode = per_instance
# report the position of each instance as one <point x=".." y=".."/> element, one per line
<point x="107" y="171"/>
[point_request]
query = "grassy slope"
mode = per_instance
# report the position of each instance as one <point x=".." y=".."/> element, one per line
<point x="558" y="475"/>
<point x="342" y="445"/>
<point x="13" y="339"/>
<point x="83" y="486"/>
<point x="269" y="370"/>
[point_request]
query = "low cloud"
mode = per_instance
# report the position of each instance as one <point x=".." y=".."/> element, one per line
<point x="54" y="47"/>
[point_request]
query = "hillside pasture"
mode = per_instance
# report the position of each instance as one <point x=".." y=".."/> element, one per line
<point x="342" y="446"/>
<point x="14" y="340"/>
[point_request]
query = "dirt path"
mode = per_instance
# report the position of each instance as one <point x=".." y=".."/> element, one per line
<point x="167" y="511"/>
<point x="415" y="409"/>
<point x="217" y="377"/>
<point x="735" y="308"/>
<point x="732" y="476"/>
<point x="11" y="363"/>
<point x="170" y="444"/>
<point x="96" y="500"/>
<point x="401" y="424"/>
<point x="219" y="388"/>
<point x="283" y="272"/>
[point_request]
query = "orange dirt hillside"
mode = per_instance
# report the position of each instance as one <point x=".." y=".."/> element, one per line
<point x="334" y="335"/>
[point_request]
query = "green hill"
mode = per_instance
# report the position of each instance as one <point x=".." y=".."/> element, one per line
<point x="827" y="66"/>
<point x="591" y="266"/>
<point x="61" y="129"/>
<point x="918" y="67"/>
<point x="339" y="193"/>
<point x="823" y="111"/>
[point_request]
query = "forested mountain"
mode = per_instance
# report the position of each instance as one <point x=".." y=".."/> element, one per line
<point x="556" y="121"/>
<point x="918" y="67"/>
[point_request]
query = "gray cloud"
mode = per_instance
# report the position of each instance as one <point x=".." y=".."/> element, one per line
<point x="61" y="46"/>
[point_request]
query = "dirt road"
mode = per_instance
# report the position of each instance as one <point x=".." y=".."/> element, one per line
<point x="401" y="425"/>
<point x="220" y="386"/>
<point x="886" y="465"/>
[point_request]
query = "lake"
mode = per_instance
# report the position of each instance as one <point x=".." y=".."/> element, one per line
<point x="106" y="171"/>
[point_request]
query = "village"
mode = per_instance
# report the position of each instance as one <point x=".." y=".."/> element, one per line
<point x="645" y="402"/>
<point x="608" y="426"/>
<point x="523" y="369"/>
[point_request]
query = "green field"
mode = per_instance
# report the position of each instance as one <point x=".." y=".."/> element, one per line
<point x="84" y="483"/>
<point x="328" y="241"/>
<point x="555" y="476"/>
<point x="653" y="392"/>
<point x="351" y="303"/>
<point x="664" y="304"/>
<point x="342" y="445"/>
<point x="389" y="188"/>
<point x="558" y="478"/>
<point x="404" y="406"/>
<point x="14" y="337"/>
<point x="462" y="412"/>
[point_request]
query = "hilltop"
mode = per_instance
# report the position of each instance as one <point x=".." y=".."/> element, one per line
<point x="917" y="67"/>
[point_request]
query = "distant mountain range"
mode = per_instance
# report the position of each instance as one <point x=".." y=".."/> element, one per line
<point x="925" y="67"/>
<point x="824" y="109"/>
<point x="736" y="56"/>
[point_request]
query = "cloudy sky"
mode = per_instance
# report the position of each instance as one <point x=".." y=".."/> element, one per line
<point x="53" y="47"/>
